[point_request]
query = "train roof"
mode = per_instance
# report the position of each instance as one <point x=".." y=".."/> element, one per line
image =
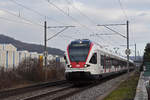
<point x="86" y="41"/>
<point x="112" y="53"/>
<point x="101" y="48"/>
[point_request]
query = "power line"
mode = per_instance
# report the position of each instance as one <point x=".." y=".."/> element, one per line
<point x="101" y="38"/>
<point x="15" y="21"/>
<point x="111" y="24"/>
<point x="66" y="36"/>
<point x="81" y="13"/>
<point x="123" y="10"/>
<point x="57" y="33"/>
<point x="26" y="7"/>
<point x="114" y="30"/>
<point x="108" y="41"/>
<point x="32" y="10"/>
<point x="61" y="10"/>
<point x="72" y="17"/>
<point x="91" y="20"/>
<point x="27" y="20"/>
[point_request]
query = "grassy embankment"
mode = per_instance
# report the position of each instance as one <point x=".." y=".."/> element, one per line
<point x="126" y="90"/>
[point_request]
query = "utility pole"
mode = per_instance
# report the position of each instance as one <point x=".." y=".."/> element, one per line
<point x="135" y="51"/>
<point x="127" y="51"/>
<point x="128" y="45"/>
<point x="46" y="39"/>
<point x="45" y="48"/>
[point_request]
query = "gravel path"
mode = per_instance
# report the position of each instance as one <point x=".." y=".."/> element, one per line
<point x="96" y="92"/>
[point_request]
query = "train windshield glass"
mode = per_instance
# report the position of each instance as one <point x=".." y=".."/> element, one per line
<point x="78" y="53"/>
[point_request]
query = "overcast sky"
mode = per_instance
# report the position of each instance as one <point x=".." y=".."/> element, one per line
<point x="24" y="20"/>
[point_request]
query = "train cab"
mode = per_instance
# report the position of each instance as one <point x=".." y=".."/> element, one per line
<point x="81" y="59"/>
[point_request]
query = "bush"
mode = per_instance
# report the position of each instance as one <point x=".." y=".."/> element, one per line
<point x="8" y="78"/>
<point x="31" y="70"/>
<point x="57" y="70"/>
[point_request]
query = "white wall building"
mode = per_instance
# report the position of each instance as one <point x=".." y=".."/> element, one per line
<point x="10" y="57"/>
<point x="7" y="47"/>
<point x="34" y="55"/>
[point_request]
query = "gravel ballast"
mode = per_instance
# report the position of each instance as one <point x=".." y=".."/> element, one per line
<point x="99" y="91"/>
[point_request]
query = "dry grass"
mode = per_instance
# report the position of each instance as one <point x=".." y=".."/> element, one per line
<point x="30" y="71"/>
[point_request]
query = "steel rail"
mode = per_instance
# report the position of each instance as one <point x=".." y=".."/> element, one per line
<point x="34" y="87"/>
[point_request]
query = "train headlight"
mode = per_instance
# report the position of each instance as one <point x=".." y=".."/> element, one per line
<point x="86" y="65"/>
<point x="69" y="66"/>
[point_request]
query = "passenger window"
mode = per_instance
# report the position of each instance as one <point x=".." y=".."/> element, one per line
<point x="115" y="62"/>
<point x="102" y="60"/>
<point x="93" y="59"/>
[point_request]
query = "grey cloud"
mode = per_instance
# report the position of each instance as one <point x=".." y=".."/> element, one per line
<point x="101" y="11"/>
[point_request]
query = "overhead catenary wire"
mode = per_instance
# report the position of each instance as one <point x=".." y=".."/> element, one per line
<point x="26" y="7"/>
<point x="92" y="21"/>
<point x="65" y="12"/>
<point x="83" y="14"/>
<point x="97" y="35"/>
<point x="72" y="18"/>
<point x="24" y="19"/>
<point x="57" y="33"/>
<point x="115" y="31"/>
<point x="125" y="14"/>
<point x="14" y="21"/>
<point x="67" y="36"/>
<point x="38" y="13"/>
<point x="46" y="16"/>
<point x="123" y="10"/>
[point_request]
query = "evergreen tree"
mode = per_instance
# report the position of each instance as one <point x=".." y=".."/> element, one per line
<point x="147" y="52"/>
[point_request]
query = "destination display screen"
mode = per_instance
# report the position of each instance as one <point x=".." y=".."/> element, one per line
<point x="79" y="45"/>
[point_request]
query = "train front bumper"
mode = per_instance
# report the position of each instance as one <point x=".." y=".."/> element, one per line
<point x="80" y="76"/>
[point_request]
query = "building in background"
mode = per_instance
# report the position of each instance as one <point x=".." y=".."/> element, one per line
<point x="10" y="57"/>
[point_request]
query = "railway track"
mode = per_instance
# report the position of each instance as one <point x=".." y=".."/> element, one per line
<point x="59" y="93"/>
<point x="50" y="91"/>
<point x="35" y="87"/>
<point x="65" y="92"/>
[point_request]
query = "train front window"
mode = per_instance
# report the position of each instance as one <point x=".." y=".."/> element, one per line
<point x="78" y="54"/>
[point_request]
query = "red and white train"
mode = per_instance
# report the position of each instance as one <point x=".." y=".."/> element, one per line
<point x="86" y="60"/>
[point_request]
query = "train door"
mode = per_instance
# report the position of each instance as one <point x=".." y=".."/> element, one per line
<point x="107" y="64"/>
<point x="99" y="69"/>
<point x="113" y="68"/>
<point x="108" y="61"/>
<point x="94" y="62"/>
<point x="103" y="62"/>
